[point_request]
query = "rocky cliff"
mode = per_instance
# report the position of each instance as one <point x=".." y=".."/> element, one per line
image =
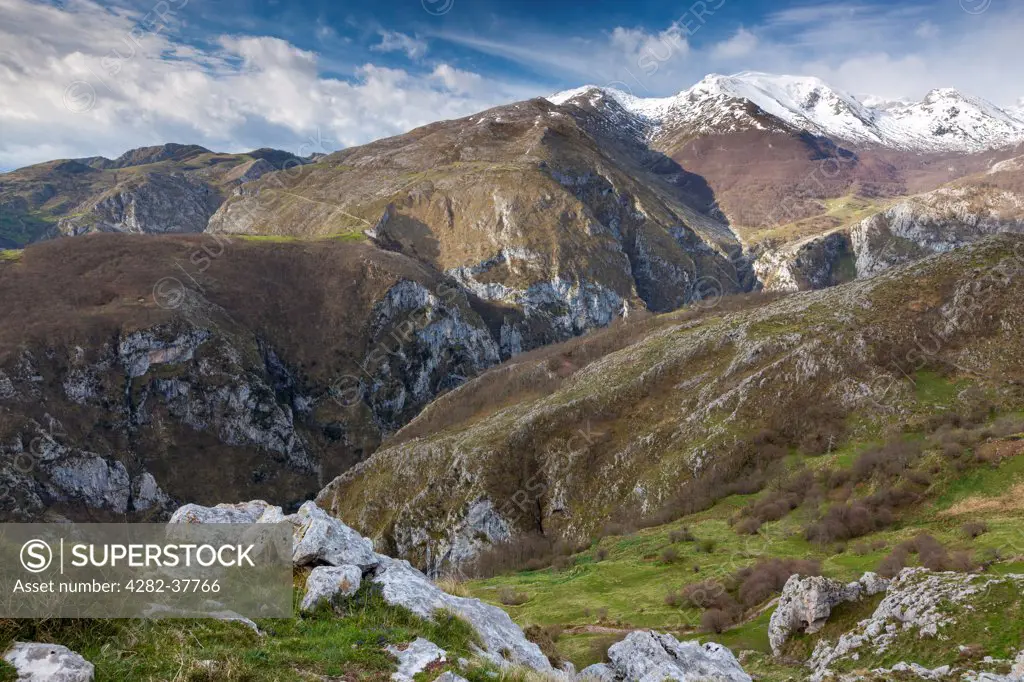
<point x="205" y="366"/>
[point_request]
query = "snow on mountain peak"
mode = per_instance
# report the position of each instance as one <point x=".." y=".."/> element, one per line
<point x="945" y="120"/>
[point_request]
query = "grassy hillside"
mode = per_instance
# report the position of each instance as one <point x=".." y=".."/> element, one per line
<point x="701" y="407"/>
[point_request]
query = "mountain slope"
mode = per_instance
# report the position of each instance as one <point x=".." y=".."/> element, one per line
<point x="167" y="188"/>
<point x="558" y="228"/>
<point x="774" y="150"/>
<point x="907" y="229"/>
<point x="694" y="410"/>
<point x="144" y="369"/>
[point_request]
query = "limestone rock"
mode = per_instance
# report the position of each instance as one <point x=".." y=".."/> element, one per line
<point x="601" y="672"/>
<point x="648" y="656"/>
<point x="48" y="663"/>
<point x="805" y="605"/>
<point x="325" y="583"/>
<point x="415" y="658"/>
<point x="323" y="539"/>
<point x="242" y="512"/>
<point x="403" y="585"/>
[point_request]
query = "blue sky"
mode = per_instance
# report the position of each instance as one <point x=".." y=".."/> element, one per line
<point x="84" y="77"/>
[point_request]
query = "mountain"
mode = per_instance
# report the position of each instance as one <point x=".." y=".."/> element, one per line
<point x="779" y="152"/>
<point x="557" y="224"/>
<point x="166" y="188"/>
<point x="945" y="121"/>
<point x="697" y="406"/>
<point x="906" y="229"/>
<point x="145" y="369"/>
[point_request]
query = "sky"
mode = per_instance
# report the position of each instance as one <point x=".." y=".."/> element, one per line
<point x="95" y="77"/>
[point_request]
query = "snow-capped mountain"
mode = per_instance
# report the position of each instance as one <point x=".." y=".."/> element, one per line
<point x="945" y="120"/>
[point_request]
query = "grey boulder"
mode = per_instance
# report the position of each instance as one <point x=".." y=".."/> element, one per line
<point x="415" y="658"/>
<point x="242" y="512"/>
<point x="403" y="585"/>
<point x="48" y="663"/>
<point x="648" y="656"/>
<point x="598" y="672"/>
<point x="323" y="539"/>
<point x="325" y="583"/>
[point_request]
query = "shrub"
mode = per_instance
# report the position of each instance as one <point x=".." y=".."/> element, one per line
<point x="975" y="528"/>
<point x="768" y="576"/>
<point x="707" y="546"/>
<point x="669" y="555"/>
<point x="715" y="620"/>
<point x="680" y="535"/>
<point x="748" y="526"/>
<point x="509" y="597"/>
<point x="706" y="594"/>
<point x="893" y="563"/>
<point x="600" y="554"/>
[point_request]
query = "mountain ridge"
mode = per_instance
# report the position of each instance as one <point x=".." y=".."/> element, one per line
<point x="945" y="120"/>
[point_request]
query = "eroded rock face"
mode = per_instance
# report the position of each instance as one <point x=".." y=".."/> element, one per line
<point x="155" y="203"/>
<point x="918" y="601"/>
<point x="48" y="663"/>
<point x="242" y="512"/>
<point x="807" y="602"/>
<point x="415" y="658"/>
<point x="326" y="583"/>
<point x="648" y="656"/>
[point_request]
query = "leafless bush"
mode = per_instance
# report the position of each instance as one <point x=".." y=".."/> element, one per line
<point x="715" y="620"/>
<point x="767" y="577"/>
<point x="680" y="535"/>
<point x="669" y="555"/>
<point x="510" y="597"/>
<point x="975" y="528"/>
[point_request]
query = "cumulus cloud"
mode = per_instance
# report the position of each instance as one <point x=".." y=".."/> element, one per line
<point x="394" y="41"/>
<point x="84" y="80"/>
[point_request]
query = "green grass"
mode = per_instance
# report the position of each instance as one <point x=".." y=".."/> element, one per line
<point x="13" y="255"/>
<point x="350" y="643"/>
<point x="626" y="590"/>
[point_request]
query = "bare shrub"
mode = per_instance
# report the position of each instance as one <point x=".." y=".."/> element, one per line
<point x="600" y="554"/>
<point x="759" y="582"/>
<point x="680" y="535"/>
<point x="715" y="620"/>
<point x="748" y="526"/>
<point x="975" y="528"/>
<point x="669" y="555"/>
<point x="510" y="597"/>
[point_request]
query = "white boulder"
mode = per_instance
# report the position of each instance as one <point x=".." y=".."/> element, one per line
<point x="325" y="583"/>
<point x="415" y="658"/>
<point x="503" y="641"/>
<point x="648" y="656"/>
<point x="323" y="539"/>
<point x="242" y="512"/>
<point x="48" y="663"/>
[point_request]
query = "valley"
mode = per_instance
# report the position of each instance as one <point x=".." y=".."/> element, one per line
<point x="743" y="365"/>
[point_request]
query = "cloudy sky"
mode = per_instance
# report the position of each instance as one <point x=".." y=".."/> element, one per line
<point x="82" y="78"/>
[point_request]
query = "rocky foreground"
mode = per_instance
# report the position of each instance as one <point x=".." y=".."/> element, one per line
<point x="917" y="606"/>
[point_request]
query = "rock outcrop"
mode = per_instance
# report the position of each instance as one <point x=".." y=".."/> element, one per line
<point x="807" y="602"/>
<point x="321" y="539"/>
<point x="48" y="663"/>
<point x="648" y="656"/>
<point x="920" y="604"/>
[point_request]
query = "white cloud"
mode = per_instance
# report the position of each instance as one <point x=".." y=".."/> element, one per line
<point x="83" y="80"/>
<point x="926" y="30"/>
<point x="393" y="41"/>
<point x="741" y="44"/>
